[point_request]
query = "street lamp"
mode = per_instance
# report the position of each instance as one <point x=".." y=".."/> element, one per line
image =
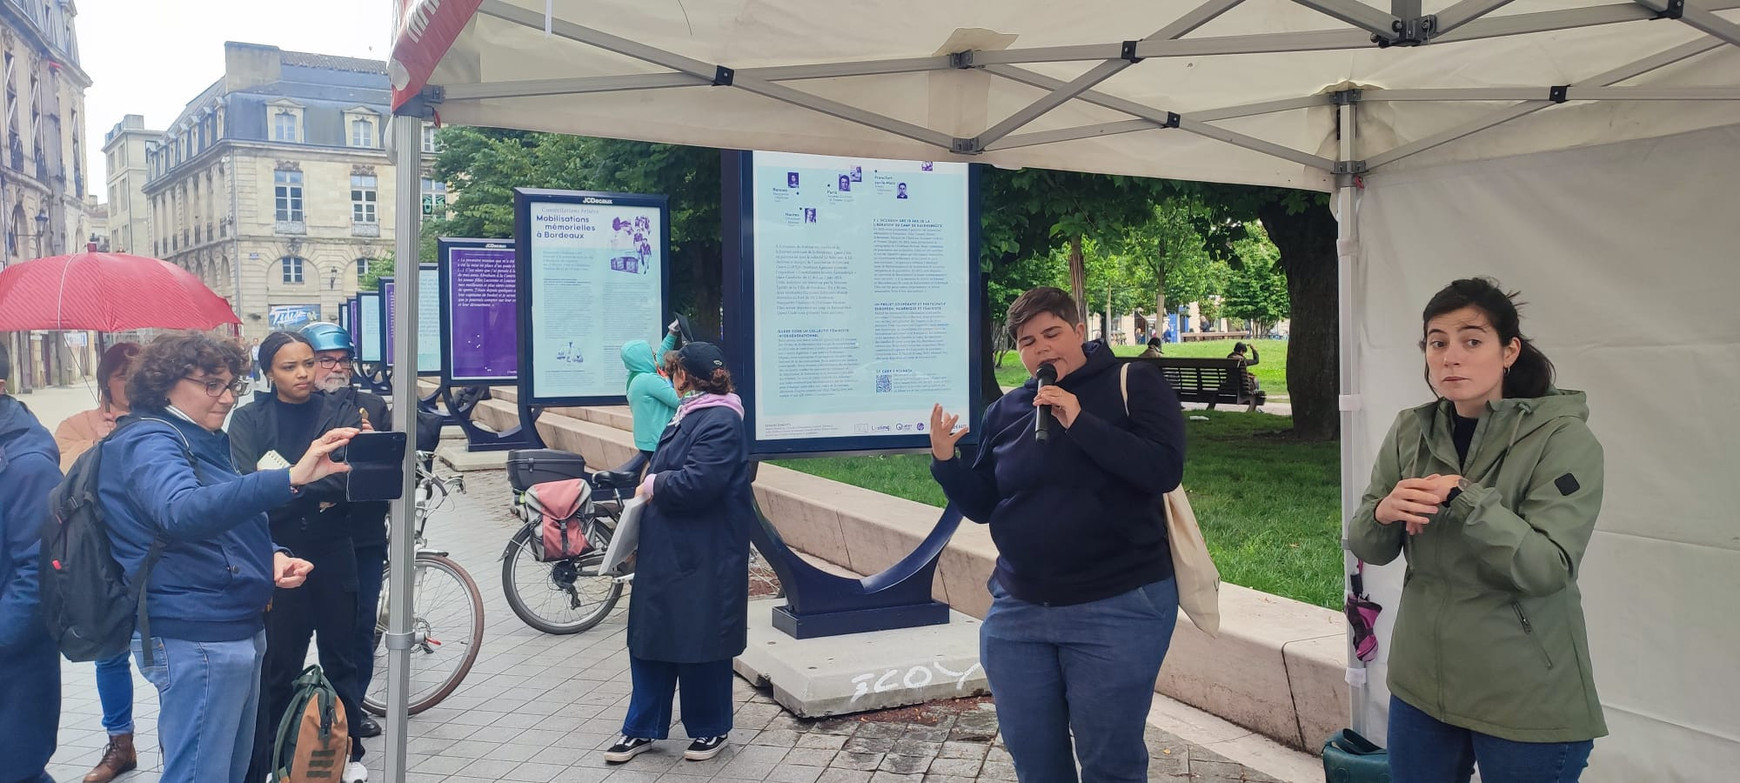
<point x="41" y="228"/>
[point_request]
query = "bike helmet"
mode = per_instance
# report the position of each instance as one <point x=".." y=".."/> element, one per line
<point x="328" y="337"/>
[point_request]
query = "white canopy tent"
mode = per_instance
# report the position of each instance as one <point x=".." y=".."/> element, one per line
<point x="1556" y="144"/>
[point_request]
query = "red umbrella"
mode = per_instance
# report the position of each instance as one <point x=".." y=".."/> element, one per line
<point x="107" y="292"/>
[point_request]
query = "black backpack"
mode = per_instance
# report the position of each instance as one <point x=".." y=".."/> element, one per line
<point x="90" y="609"/>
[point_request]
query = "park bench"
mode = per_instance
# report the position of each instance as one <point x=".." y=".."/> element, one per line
<point x="1214" y="381"/>
<point x="1191" y="337"/>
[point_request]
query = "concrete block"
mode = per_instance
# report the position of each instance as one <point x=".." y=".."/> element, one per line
<point x="1317" y="670"/>
<point x="838" y="675"/>
<point x="1242" y="675"/>
<point x="454" y="453"/>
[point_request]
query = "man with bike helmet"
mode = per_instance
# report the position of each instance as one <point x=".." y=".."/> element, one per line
<point x="333" y="357"/>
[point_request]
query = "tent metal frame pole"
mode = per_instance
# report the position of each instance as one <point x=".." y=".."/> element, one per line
<point x="1544" y="21"/>
<point x="714" y="74"/>
<point x="1073" y="134"/>
<point x="1464" y="12"/>
<point x="1254" y="109"/>
<point x="407" y="160"/>
<point x="1572" y="93"/>
<point x="1629" y="71"/>
<point x="783" y="73"/>
<point x="1347" y="253"/>
<point x="1697" y="17"/>
<point x="1166" y="119"/>
<point x="612" y="43"/>
<point x="1357" y="14"/>
<point x="1184" y="25"/>
<point x="833" y="108"/>
<point x="582" y="85"/>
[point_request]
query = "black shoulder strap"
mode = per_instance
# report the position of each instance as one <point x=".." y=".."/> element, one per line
<point x="158" y="544"/>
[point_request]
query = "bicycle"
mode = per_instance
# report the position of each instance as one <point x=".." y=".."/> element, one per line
<point x="570" y="595"/>
<point x="446" y="610"/>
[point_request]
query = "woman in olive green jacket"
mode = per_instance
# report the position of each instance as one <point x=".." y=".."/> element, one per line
<point x="1492" y="492"/>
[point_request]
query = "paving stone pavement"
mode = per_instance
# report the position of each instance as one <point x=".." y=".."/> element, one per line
<point x="537" y="707"/>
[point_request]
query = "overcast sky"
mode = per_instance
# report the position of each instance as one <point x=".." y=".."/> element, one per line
<point x="151" y="57"/>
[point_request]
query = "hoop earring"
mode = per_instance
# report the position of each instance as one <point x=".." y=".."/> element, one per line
<point x="1507" y="370"/>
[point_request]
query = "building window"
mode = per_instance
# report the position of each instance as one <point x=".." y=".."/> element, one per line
<point x="292" y="266"/>
<point x="362" y="133"/>
<point x="434" y="198"/>
<point x="285" y="125"/>
<point x="430" y="143"/>
<point x="362" y="199"/>
<point x="287" y="191"/>
<point x="362" y="272"/>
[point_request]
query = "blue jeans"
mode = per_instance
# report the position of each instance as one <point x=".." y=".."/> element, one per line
<point x="1086" y="669"/>
<point x="706" y="698"/>
<point x="208" y="696"/>
<point x="115" y="691"/>
<point x="369" y="561"/>
<point x="1426" y="750"/>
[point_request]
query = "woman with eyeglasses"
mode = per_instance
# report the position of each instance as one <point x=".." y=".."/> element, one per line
<point x="279" y="426"/>
<point x="167" y="485"/>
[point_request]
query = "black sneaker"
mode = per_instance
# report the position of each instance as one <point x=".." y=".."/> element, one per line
<point x="366" y="728"/>
<point x="705" y="748"/>
<point x="626" y="748"/>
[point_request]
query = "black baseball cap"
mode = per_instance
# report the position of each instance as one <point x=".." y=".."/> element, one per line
<point x="701" y="359"/>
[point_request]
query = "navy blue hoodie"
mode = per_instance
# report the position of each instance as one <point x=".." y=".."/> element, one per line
<point x="215" y="577"/>
<point x="1080" y="518"/>
<point x="29" y="662"/>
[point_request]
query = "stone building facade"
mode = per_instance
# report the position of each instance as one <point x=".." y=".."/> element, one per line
<point x="273" y="185"/>
<point x="42" y="167"/>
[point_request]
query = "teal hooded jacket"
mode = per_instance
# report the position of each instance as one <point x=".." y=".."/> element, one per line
<point x="650" y="395"/>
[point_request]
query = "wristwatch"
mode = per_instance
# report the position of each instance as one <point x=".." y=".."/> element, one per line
<point x="1462" y="484"/>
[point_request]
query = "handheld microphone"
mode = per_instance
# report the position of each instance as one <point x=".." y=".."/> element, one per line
<point x="1046" y="375"/>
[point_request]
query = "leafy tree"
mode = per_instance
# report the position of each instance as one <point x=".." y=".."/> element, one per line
<point x="1257" y="290"/>
<point x="1304" y="231"/>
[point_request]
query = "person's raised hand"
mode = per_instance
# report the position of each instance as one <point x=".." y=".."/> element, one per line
<point x="1413" y="501"/>
<point x="316" y="463"/>
<point x="943" y="435"/>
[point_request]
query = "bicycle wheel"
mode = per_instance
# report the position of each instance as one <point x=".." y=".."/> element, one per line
<point x="560" y="597"/>
<point x="447" y="631"/>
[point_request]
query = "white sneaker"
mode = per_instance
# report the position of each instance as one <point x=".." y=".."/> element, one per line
<point x="355" y="772"/>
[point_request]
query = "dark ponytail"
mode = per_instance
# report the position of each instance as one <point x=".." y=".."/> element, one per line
<point x="1531" y="375"/>
<point x="720" y="383"/>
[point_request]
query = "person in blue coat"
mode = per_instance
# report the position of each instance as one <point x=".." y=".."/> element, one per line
<point x="688" y="614"/>
<point x="30" y="683"/>
<point x="167" y="475"/>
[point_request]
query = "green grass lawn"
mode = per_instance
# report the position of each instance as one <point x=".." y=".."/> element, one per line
<point x="1268" y="505"/>
<point x="1271" y="372"/>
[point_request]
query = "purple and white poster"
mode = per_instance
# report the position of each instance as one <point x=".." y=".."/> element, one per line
<point x="387" y="299"/>
<point x="483" y="314"/>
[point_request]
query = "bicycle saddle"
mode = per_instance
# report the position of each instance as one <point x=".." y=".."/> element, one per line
<point x="615" y="479"/>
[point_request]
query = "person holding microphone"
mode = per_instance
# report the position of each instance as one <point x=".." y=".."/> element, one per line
<point x="1071" y="473"/>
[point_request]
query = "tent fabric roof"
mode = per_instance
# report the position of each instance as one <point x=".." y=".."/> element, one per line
<point x="1247" y="84"/>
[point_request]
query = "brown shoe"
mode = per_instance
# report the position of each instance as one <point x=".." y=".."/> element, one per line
<point x="119" y="758"/>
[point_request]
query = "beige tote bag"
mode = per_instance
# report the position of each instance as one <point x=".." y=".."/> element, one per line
<point x="1198" y="580"/>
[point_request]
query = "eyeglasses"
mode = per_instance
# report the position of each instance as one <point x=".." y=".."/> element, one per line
<point x="215" y="388"/>
<point x="330" y="362"/>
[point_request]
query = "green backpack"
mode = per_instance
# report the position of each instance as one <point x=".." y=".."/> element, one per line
<point x="313" y="738"/>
